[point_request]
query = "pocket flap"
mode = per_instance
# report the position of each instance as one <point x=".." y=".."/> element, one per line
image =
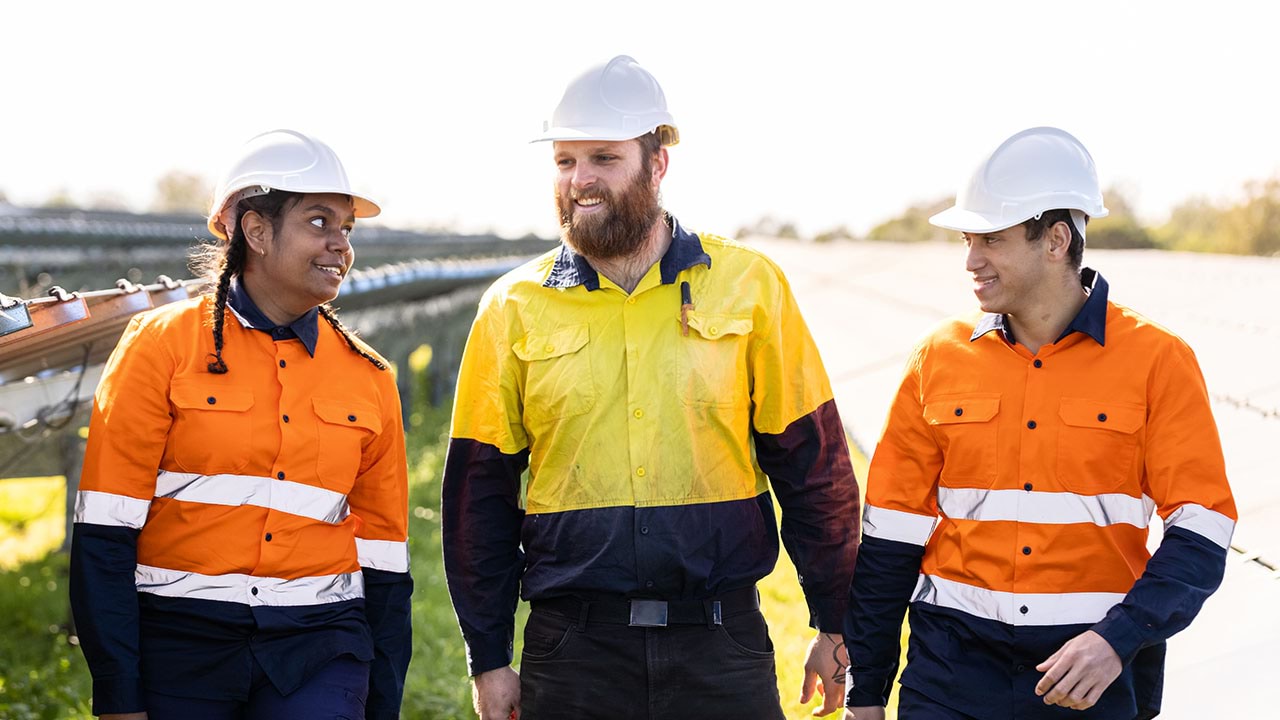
<point x="206" y="397"/>
<point x="542" y="346"/>
<point x="714" y="327"/>
<point x="350" y="413"/>
<point x="954" y="409"/>
<point x="1102" y="414"/>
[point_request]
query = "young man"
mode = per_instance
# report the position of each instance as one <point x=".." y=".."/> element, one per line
<point x="649" y="378"/>
<point x="1009" y="497"/>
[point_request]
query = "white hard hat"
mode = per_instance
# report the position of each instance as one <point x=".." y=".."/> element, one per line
<point x="281" y="160"/>
<point x="1036" y="170"/>
<point x="617" y="100"/>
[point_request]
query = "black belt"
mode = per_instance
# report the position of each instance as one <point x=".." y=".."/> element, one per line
<point x="644" y="612"/>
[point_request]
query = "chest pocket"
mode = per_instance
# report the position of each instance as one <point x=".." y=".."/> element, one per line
<point x="558" y="381"/>
<point x="711" y="362"/>
<point x="203" y="412"/>
<point x="344" y="428"/>
<point x="1098" y="445"/>
<point x="965" y="427"/>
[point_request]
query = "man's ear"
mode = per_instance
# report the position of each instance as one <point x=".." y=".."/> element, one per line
<point x="1059" y="240"/>
<point x="659" y="166"/>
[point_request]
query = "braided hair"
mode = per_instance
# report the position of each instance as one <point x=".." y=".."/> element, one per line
<point x="217" y="263"/>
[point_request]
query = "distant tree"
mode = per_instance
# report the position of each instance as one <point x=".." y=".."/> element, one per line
<point x="60" y="198"/>
<point x="835" y="234"/>
<point x="4" y="197"/>
<point x="769" y="226"/>
<point x="913" y="224"/>
<point x="178" y="192"/>
<point x="1249" y="227"/>
<point x="1119" y="229"/>
<point x="107" y="200"/>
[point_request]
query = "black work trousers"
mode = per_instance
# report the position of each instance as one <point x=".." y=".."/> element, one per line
<point x="574" y="668"/>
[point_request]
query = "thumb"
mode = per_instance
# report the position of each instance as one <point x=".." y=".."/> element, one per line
<point x="810" y="681"/>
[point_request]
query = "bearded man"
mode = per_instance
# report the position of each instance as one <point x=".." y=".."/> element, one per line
<point x="657" y="384"/>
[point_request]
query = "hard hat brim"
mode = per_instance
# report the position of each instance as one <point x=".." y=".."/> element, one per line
<point x="362" y="207"/>
<point x="590" y="133"/>
<point x="968" y="221"/>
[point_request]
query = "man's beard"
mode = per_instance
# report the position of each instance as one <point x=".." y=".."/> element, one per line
<point x="621" y="230"/>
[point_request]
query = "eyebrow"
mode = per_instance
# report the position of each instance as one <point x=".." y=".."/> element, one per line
<point x="327" y="211"/>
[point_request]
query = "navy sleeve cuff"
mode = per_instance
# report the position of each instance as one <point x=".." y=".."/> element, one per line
<point x="387" y="606"/>
<point x="1121" y="633"/>
<point x="117" y="695"/>
<point x="488" y="654"/>
<point x="827" y="614"/>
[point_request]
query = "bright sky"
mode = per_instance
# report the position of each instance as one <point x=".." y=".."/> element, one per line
<point x="822" y="113"/>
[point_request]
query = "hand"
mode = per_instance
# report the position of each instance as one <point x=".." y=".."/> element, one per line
<point x="874" y="712"/>
<point x="824" y="668"/>
<point x="123" y="716"/>
<point x="496" y="694"/>
<point x="1076" y="676"/>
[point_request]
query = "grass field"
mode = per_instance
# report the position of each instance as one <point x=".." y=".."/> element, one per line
<point x="43" y="675"/>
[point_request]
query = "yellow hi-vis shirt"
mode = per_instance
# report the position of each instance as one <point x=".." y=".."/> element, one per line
<point x="651" y="439"/>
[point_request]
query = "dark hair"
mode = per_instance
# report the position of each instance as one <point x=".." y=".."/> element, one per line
<point x="1036" y="227"/>
<point x="216" y="263"/>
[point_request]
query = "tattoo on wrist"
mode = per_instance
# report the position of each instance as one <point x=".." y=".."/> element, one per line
<point x="841" y="666"/>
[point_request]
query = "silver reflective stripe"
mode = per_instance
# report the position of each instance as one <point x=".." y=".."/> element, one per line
<point x="100" y="508"/>
<point x="389" y="555"/>
<point x="294" y="498"/>
<point x="1045" y="508"/>
<point x="250" y="590"/>
<point x="1215" y="526"/>
<point x="1006" y="607"/>
<point x="878" y="522"/>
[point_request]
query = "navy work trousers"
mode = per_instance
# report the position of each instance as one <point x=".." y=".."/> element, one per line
<point x="576" y="668"/>
<point x="337" y="692"/>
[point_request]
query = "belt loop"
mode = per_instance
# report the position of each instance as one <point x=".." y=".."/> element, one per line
<point x="583" y="611"/>
<point x="714" y="615"/>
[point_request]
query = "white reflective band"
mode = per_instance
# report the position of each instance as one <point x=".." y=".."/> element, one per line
<point x="282" y="495"/>
<point x="1006" y="607"/>
<point x="1214" y="526"/>
<point x="100" y="508"/>
<point x="878" y="522"/>
<point x="389" y="555"/>
<point x="1045" y="508"/>
<point x="250" y="590"/>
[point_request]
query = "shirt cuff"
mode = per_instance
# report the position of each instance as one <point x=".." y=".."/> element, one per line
<point x="1122" y="633"/>
<point x="486" y="654"/>
<point x="117" y="695"/>
<point x="827" y="614"/>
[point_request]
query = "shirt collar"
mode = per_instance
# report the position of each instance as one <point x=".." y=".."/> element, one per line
<point x="306" y="328"/>
<point x="1091" y="320"/>
<point x="571" y="269"/>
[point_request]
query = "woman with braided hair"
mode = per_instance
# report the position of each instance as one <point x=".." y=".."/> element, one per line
<point x="240" y="540"/>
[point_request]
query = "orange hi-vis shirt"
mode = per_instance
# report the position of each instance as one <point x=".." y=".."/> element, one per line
<point x="1033" y="478"/>
<point x="1008" y="505"/>
<point x="307" y="453"/>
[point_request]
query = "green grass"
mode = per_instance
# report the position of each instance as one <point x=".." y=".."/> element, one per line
<point x="42" y="675"/>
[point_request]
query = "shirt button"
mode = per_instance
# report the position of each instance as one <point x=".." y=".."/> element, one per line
<point x="286" y="418"/>
<point x="638" y="413"/>
<point x="1026" y="551"/>
<point x="631" y="301"/>
<point x="1102" y="417"/>
<point x="644" y="530"/>
<point x="268" y="537"/>
<point x="1027" y="487"/>
<point x="212" y="400"/>
<point x="1023" y="610"/>
<point x="640" y="471"/>
<point x="1037" y="364"/>
<point x="280" y="475"/>
<point x="648" y="583"/>
<point x="281" y="363"/>
<point x="959" y="412"/>
<point x="351" y="418"/>
<point x="713" y="330"/>
<point x="253" y="591"/>
<point x="1021" y="668"/>
<point x="549" y="348"/>
<point x="1031" y="424"/>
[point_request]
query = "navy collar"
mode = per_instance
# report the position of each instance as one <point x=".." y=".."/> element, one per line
<point x="306" y="328"/>
<point x="1091" y="320"/>
<point x="571" y="269"/>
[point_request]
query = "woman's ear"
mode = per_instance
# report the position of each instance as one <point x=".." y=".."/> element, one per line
<point x="257" y="232"/>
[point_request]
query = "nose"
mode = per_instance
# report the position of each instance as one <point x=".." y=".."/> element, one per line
<point x="974" y="260"/>
<point x="340" y="242"/>
<point x="583" y="176"/>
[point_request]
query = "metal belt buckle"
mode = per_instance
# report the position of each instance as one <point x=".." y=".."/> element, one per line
<point x="648" y="613"/>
